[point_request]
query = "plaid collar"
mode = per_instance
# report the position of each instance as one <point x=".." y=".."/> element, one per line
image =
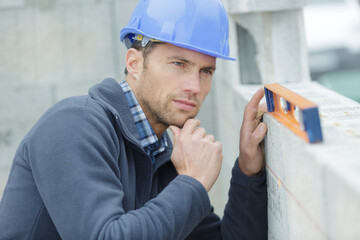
<point x="148" y="140"/>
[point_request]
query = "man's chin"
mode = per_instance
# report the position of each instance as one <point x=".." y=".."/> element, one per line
<point x="180" y="122"/>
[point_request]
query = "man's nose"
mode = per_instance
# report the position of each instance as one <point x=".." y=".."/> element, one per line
<point x="192" y="83"/>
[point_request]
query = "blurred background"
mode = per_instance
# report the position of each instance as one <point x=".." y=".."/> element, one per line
<point x="333" y="37"/>
<point x="52" y="49"/>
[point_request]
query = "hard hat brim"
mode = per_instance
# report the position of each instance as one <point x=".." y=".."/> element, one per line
<point x="127" y="30"/>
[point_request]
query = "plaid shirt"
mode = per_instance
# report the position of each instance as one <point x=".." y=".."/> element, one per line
<point x="148" y="139"/>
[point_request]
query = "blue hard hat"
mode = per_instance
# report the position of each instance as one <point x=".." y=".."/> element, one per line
<point x="199" y="25"/>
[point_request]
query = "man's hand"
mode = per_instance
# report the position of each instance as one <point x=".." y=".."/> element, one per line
<point x="252" y="133"/>
<point x="196" y="154"/>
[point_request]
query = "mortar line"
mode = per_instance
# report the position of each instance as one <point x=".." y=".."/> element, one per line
<point x="317" y="226"/>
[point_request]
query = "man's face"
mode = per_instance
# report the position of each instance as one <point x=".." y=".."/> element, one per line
<point x="173" y="84"/>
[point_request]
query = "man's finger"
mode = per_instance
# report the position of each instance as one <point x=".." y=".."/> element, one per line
<point x="256" y="98"/>
<point x="200" y="132"/>
<point x="258" y="135"/>
<point x="210" y="137"/>
<point x="253" y="105"/>
<point x="190" y="126"/>
<point x="176" y="131"/>
<point x="261" y="110"/>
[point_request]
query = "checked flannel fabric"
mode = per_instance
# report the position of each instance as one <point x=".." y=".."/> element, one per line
<point x="148" y="140"/>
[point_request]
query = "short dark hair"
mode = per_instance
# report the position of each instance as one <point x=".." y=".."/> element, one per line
<point x="145" y="50"/>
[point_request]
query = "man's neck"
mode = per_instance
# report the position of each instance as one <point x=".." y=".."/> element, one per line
<point x="159" y="128"/>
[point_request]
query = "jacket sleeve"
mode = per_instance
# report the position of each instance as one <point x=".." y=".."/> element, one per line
<point x="245" y="215"/>
<point x="73" y="157"/>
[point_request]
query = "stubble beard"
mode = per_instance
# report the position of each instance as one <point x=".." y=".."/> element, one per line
<point x="166" y="114"/>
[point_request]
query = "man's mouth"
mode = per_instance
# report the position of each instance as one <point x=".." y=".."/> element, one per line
<point x="185" y="104"/>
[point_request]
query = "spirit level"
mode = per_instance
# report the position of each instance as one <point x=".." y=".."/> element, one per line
<point x="297" y="113"/>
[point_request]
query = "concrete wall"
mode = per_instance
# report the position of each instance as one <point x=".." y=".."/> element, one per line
<point x="50" y="50"/>
<point x="276" y="32"/>
<point x="313" y="189"/>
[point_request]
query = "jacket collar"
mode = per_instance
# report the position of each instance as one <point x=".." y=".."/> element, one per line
<point x="110" y="96"/>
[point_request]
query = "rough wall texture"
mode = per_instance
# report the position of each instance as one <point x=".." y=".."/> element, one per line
<point x="51" y="50"/>
<point x="313" y="188"/>
<point x="280" y="41"/>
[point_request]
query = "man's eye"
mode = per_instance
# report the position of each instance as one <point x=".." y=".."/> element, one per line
<point x="179" y="64"/>
<point x="207" y="71"/>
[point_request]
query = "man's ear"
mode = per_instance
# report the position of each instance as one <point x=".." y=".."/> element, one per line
<point x="134" y="61"/>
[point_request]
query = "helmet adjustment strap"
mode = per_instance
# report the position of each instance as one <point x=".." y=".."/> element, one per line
<point x="129" y="41"/>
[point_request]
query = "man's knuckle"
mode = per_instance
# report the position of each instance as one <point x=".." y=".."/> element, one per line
<point x="218" y="145"/>
<point x="196" y="121"/>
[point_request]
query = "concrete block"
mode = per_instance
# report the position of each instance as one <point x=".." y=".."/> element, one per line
<point x="87" y="43"/>
<point x="279" y="39"/>
<point x="313" y="189"/>
<point x="73" y="43"/>
<point x="66" y="43"/>
<point x="18" y="59"/>
<point x="8" y="43"/>
<point x="246" y="6"/>
<point x="49" y="45"/>
<point x="119" y="21"/>
<point x="67" y="89"/>
<point x="256" y="26"/>
<point x="23" y="103"/>
<point x="32" y="53"/>
<point x="288" y="47"/>
<point x="311" y="185"/>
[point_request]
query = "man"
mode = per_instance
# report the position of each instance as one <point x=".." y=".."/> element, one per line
<point x="102" y="166"/>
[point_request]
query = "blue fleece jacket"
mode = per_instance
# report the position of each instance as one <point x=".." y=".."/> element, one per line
<point x="81" y="173"/>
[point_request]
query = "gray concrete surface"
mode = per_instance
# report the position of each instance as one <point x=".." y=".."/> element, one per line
<point x="51" y="50"/>
<point x="313" y="189"/>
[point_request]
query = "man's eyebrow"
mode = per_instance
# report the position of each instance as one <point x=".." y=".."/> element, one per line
<point x="181" y="59"/>
<point x="212" y="68"/>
